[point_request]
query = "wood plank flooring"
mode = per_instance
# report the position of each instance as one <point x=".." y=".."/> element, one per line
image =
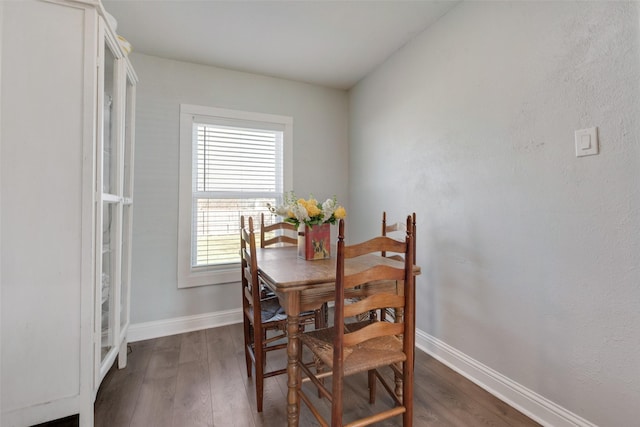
<point x="199" y="379"/>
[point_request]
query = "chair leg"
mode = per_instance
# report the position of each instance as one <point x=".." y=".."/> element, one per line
<point x="319" y="369"/>
<point x="337" y="404"/>
<point x="322" y="316"/>
<point x="407" y="416"/>
<point x="259" y="391"/>
<point x="372" y="386"/>
<point x="399" y="389"/>
<point x="259" y="354"/>
<point x="407" y="398"/>
<point x="264" y="351"/>
<point x="247" y="343"/>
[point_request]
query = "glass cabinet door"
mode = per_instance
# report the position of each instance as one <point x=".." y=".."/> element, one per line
<point x="129" y="112"/>
<point x="127" y="210"/>
<point x="109" y="203"/>
<point x="109" y="240"/>
<point x="109" y="146"/>
<point x="125" y="270"/>
<point x="114" y="185"/>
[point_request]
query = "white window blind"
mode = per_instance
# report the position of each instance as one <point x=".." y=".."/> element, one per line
<point x="237" y="171"/>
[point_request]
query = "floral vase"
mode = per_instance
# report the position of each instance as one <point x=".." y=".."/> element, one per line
<point x="314" y="242"/>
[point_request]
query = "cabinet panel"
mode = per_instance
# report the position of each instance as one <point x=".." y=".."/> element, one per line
<point x="42" y="208"/>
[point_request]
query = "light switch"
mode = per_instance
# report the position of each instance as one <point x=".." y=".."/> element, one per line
<point x="586" y="142"/>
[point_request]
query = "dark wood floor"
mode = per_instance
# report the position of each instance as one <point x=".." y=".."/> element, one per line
<point x="199" y="379"/>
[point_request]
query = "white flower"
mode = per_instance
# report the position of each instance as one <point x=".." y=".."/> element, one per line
<point x="282" y="211"/>
<point x="328" y="207"/>
<point x="278" y="210"/>
<point x="300" y="212"/>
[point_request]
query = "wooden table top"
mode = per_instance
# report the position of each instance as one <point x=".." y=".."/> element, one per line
<point x="283" y="270"/>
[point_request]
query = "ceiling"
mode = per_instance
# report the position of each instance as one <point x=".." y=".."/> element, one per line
<point x="330" y="43"/>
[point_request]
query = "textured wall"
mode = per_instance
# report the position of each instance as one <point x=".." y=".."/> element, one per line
<point x="320" y="157"/>
<point x="529" y="254"/>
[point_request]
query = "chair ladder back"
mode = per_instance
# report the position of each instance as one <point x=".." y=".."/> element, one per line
<point x="369" y="344"/>
<point x="250" y="271"/>
<point x="373" y="302"/>
<point x="373" y="274"/>
<point x="373" y="330"/>
<point x="281" y="237"/>
<point x="245" y="277"/>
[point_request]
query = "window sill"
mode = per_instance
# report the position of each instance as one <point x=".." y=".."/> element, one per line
<point x="192" y="278"/>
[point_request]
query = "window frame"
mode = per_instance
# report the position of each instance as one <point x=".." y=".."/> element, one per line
<point x="189" y="276"/>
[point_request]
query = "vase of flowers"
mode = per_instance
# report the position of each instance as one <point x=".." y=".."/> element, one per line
<point x="313" y="221"/>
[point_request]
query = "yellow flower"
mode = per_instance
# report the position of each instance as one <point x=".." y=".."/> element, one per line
<point x="312" y="208"/>
<point x="340" y="213"/>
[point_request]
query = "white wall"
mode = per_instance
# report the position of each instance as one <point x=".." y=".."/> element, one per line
<point x="320" y="134"/>
<point x="529" y="254"/>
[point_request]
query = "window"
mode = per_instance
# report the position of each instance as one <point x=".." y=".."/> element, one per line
<point x="232" y="163"/>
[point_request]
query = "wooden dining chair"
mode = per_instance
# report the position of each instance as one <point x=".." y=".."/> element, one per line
<point x="285" y="234"/>
<point x="351" y="347"/>
<point x="265" y="321"/>
<point x="260" y="315"/>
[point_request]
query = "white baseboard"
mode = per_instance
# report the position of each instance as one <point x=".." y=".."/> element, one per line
<point x="179" y="325"/>
<point x="526" y="401"/>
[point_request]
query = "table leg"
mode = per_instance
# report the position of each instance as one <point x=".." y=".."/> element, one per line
<point x="293" y="352"/>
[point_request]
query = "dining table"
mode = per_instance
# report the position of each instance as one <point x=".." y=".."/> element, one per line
<point x="303" y="285"/>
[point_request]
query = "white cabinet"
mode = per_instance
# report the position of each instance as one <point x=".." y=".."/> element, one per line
<point x="66" y="161"/>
